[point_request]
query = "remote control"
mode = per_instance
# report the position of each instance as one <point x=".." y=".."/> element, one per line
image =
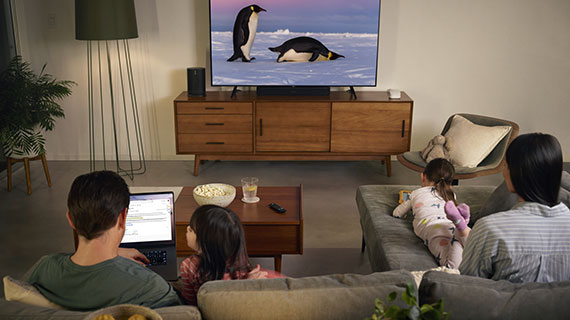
<point x="277" y="208"/>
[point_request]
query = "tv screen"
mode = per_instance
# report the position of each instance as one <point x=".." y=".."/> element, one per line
<point x="294" y="42"/>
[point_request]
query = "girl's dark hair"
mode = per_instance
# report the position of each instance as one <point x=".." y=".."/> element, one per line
<point x="535" y="166"/>
<point x="220" y="237"/>
<point x="441" y="172"/>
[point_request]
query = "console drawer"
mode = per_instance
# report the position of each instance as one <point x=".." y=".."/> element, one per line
<point x="214" y="107"/>
<point x="214" y="123"/>
<point x="214" y="142"/>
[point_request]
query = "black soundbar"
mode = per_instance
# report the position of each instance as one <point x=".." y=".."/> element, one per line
<point x="293" y="91"/>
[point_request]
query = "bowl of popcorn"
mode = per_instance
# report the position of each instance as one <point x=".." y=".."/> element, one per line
<point x="220" y="194"/>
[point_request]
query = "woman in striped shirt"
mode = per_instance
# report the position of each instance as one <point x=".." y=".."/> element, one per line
<point x="530" y="242"/>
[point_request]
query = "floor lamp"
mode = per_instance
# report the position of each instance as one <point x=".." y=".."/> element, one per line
<point x="107" y="25"/>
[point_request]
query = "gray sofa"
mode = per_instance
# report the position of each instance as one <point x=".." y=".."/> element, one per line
<point x="392" y="245"/>
<point x="347" y="296"/>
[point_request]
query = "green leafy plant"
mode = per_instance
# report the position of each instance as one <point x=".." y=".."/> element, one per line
<point x="28" y="105"/>
<point x="432" y="311"/>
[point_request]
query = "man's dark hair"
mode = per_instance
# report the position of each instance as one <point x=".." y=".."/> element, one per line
<point x="535" y="166"/>
<point x="95" y="201"/>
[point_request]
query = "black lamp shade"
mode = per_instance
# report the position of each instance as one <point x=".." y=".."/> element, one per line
<point x="105" y="19"/>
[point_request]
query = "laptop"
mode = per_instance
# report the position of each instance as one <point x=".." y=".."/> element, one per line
<point x="150" y="228"/>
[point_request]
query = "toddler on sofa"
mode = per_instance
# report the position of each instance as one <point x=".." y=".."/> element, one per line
<point x="428" y="207"/>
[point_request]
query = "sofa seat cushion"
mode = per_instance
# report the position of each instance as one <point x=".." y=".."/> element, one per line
<point x="466" y="297"/>
<point x="347" y="296"/>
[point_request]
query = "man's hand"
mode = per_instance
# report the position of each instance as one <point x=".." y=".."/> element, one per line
<point x="135" y="255"/>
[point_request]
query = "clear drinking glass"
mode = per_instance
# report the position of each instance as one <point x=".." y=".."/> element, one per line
<point x="249" y="188"/>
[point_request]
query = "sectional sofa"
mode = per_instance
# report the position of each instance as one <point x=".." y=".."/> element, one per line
<point x="393" y="250"/>
<point x="392" y="245"/>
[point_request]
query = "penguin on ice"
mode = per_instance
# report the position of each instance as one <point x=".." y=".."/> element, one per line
<point x="245" y="28"/>
<point x="303" y="49"/>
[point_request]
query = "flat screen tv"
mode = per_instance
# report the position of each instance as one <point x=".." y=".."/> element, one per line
<point x="294" y="42"/>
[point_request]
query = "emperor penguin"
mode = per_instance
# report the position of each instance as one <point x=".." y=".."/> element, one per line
<point x="245" y="28"/>
<point x="303" y="49"/>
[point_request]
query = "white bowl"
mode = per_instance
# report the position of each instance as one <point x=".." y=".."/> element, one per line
<point x="220" y="194"/>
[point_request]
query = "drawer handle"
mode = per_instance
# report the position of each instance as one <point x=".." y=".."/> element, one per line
<point x="214" y="108"/>
<point x="403" y="127"/>
<point x="214" y="123"/>
<point x="215" y="142"/>
<point x="260" y="127"/>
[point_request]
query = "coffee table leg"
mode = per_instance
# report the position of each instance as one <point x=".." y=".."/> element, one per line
<point x="277" y="262"/>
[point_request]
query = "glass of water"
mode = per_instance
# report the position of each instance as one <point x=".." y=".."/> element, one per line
<point x="249" y="188"/>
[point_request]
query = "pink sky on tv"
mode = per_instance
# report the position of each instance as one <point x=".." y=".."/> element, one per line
<point x="275" y="4"/>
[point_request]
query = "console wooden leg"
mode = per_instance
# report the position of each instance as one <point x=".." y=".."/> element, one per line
<point x="389" y="166"/>
<point x="9" y="172"/>
<point x="46" y="171"/>
<point x="277" y="262"/>
<point x="28" y="178"/>
<point x="196" y="164"/>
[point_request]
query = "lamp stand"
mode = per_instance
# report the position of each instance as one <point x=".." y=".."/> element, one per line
<point x="119" y="109"/>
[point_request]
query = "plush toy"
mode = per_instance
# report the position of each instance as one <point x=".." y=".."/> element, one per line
<point x="438" y="147"/>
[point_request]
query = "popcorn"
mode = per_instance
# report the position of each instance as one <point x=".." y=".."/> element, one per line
<point x="210" y="191"/>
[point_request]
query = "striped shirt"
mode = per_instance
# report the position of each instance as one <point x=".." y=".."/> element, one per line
<point x="529" y="243"/>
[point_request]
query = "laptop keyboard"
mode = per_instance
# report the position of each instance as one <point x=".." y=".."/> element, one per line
<point x="156" y="257"/>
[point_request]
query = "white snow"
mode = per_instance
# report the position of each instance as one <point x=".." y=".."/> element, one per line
<point x="358" y="68"/>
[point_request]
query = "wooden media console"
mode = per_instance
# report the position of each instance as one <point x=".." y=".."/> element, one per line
<point x="251" y="127"/>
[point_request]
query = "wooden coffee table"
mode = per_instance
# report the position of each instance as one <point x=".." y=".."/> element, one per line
<point x="267" y="233"/>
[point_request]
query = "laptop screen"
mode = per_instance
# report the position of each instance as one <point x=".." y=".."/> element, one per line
<point x="150" y="218"/>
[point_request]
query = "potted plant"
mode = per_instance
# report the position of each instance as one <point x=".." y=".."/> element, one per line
<point x="432" y="311"/>
<point x="28" y="106"/>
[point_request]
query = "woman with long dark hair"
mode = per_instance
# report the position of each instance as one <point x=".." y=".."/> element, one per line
<point x="530" y="242"/>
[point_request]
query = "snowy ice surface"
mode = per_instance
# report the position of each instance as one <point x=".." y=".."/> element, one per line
<point x="358" y="68"/>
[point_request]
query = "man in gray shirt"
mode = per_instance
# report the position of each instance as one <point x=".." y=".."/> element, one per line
<point x="99" y="274"/>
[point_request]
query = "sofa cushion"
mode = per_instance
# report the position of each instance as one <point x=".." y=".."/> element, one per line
<point x="472" y="142"/>
<point x="348" y="296"/>
<point x="502" y="199"/>
<point x="24" y="292"/>
<point x="466" y="297"/>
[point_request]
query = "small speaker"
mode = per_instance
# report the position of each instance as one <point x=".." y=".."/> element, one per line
<point x="196" y="82"/>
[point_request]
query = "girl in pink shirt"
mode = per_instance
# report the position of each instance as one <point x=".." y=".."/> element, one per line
<point x="216" y="234"/>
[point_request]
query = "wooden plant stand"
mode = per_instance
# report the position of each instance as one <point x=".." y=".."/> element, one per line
<point x="26" y="161"/>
